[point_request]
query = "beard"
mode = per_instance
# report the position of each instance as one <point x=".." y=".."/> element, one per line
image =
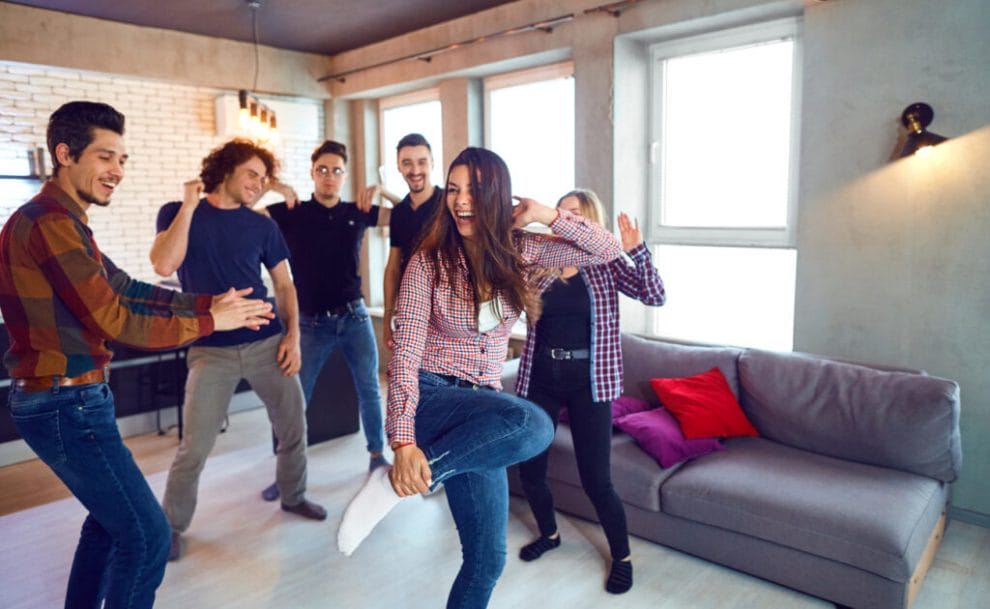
<point x="416" y="189"/>
<point x="90" y="198"/>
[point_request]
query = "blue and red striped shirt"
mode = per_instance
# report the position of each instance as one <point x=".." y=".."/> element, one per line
<point x="62" y="299"/>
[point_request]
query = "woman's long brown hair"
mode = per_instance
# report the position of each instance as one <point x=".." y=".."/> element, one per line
<point x="501" y="265"/>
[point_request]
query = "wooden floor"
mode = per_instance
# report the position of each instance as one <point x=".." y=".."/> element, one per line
<point x="246" y="554"/>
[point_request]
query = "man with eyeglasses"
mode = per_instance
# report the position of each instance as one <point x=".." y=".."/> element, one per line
<point x="216" y="242"/>
<point x="324" y="235"/>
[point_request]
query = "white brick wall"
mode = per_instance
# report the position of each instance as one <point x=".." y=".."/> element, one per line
<point x="169" y="129"/>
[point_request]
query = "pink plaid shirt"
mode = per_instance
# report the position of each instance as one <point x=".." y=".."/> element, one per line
<point x="640" y="281"/>
<point x="436" y="329"/>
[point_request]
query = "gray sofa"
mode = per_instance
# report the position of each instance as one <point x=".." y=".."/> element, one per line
<point x="844" y="495"/>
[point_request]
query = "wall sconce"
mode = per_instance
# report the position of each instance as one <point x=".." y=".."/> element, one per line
<point x="915" y="118"/>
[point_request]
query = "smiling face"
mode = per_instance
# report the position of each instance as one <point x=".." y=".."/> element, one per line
<point x="415" y="165"/>
<point x="95" y="175"/>
<point x="329" y="172"/>
<point x="247" y="182"/>
<point x="460" y="202"/>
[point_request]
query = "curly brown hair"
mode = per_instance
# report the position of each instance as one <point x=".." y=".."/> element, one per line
<point x="502" y="265"/>
<point x="223" y="160"/>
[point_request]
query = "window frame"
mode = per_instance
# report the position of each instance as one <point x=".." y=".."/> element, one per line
<point x="689" y="44"/>
<point x="386" y="156"/>
<point x="564" y="69"/>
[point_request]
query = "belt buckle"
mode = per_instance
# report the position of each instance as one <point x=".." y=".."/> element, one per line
<point x="560" y="354"/>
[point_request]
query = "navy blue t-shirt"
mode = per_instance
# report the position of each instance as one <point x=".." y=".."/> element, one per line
<point x="226" y="249"/>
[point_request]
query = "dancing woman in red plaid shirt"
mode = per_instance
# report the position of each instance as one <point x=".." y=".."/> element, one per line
<point x="573" y="358"/>
<point x="447" y="419"/>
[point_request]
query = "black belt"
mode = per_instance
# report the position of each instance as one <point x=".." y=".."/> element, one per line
<point x="566" y="354"/>
<point x="459" y="382"/>
<point x="337" y="311"/>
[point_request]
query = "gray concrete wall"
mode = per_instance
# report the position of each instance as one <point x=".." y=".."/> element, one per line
<point x="893" y="257"/>
<point x="44" y="37"/>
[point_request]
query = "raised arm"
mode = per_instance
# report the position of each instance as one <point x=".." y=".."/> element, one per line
<point x="640" y="281"/>
<point x="170" y="246"/>
<point x="576" y="241"/>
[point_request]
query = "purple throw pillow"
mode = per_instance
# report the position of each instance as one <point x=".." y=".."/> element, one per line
<point x="624" y="404"/>
<point x="658" y="434"/>
<point x="621" y="406"/>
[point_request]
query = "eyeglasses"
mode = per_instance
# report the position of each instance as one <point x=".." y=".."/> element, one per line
<point x="324" y="171"/>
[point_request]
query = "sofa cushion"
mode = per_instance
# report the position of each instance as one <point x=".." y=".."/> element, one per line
<point x="625" y="404"/>
<point x="656" y="431"/>
<point x="703" y="405"/>
<point x="635" y="475"/>
<point x="621" y="406"/>
<point x="874" y="518"/>
<point x="644" y="359"/>
<point x="894" y="419"/>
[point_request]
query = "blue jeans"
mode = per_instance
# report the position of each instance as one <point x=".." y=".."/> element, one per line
<point x="125" y="538"/>
<point x="353" y="332"/>
<point x="470" y="436"/>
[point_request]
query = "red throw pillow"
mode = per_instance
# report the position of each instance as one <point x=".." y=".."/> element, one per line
<point x="704" y="405"/>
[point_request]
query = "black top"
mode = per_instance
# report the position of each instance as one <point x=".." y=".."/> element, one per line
<point x="325" y="248"/>
<point x="406" y="225"/>
<point x="566" y="319"/>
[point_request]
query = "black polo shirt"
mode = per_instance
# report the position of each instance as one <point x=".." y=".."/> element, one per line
<point x="325" y="249"/>
<point x="406" y="225"/>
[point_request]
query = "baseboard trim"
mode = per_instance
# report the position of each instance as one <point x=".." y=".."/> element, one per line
<point x="970" y="517"/>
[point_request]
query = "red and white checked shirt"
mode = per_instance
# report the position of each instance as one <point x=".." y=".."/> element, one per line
<point x="640" y="281"/>
<point x="436" y="328"/>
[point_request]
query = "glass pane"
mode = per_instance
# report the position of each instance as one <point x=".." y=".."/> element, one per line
<point x="15" y="162"/>
<point x="725" y="137"/>
<point x="532" y="129"/>
<point x="726" y="295"/>
<point x="424" y="118"/>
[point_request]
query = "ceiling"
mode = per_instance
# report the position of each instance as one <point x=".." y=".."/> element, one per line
<point x="317" y="26"/>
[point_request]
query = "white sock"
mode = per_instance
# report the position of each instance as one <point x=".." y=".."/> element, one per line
<point x="369" y="507"/>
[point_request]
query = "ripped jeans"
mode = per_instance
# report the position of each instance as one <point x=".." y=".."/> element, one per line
<point x="470" y="436"/>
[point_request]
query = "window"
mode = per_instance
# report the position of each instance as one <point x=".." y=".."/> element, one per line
<point x="22" y="163"/>
<point x="723" y="183"/>
<point x="530" y="124"/>
<point x="418" y="112"/>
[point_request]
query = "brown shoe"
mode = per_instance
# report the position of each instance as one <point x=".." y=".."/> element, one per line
<point x="307" y="509"/>
<point x="175" y="553"/>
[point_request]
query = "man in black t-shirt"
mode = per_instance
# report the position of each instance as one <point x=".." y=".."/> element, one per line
<point x="409" y="218"/>
<point x="324" y="236"/>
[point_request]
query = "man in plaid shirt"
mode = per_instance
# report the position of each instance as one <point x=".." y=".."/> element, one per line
<point x="62" y="300"/>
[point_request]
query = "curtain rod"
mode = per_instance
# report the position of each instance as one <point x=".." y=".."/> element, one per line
<point x="614" y="9"/>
